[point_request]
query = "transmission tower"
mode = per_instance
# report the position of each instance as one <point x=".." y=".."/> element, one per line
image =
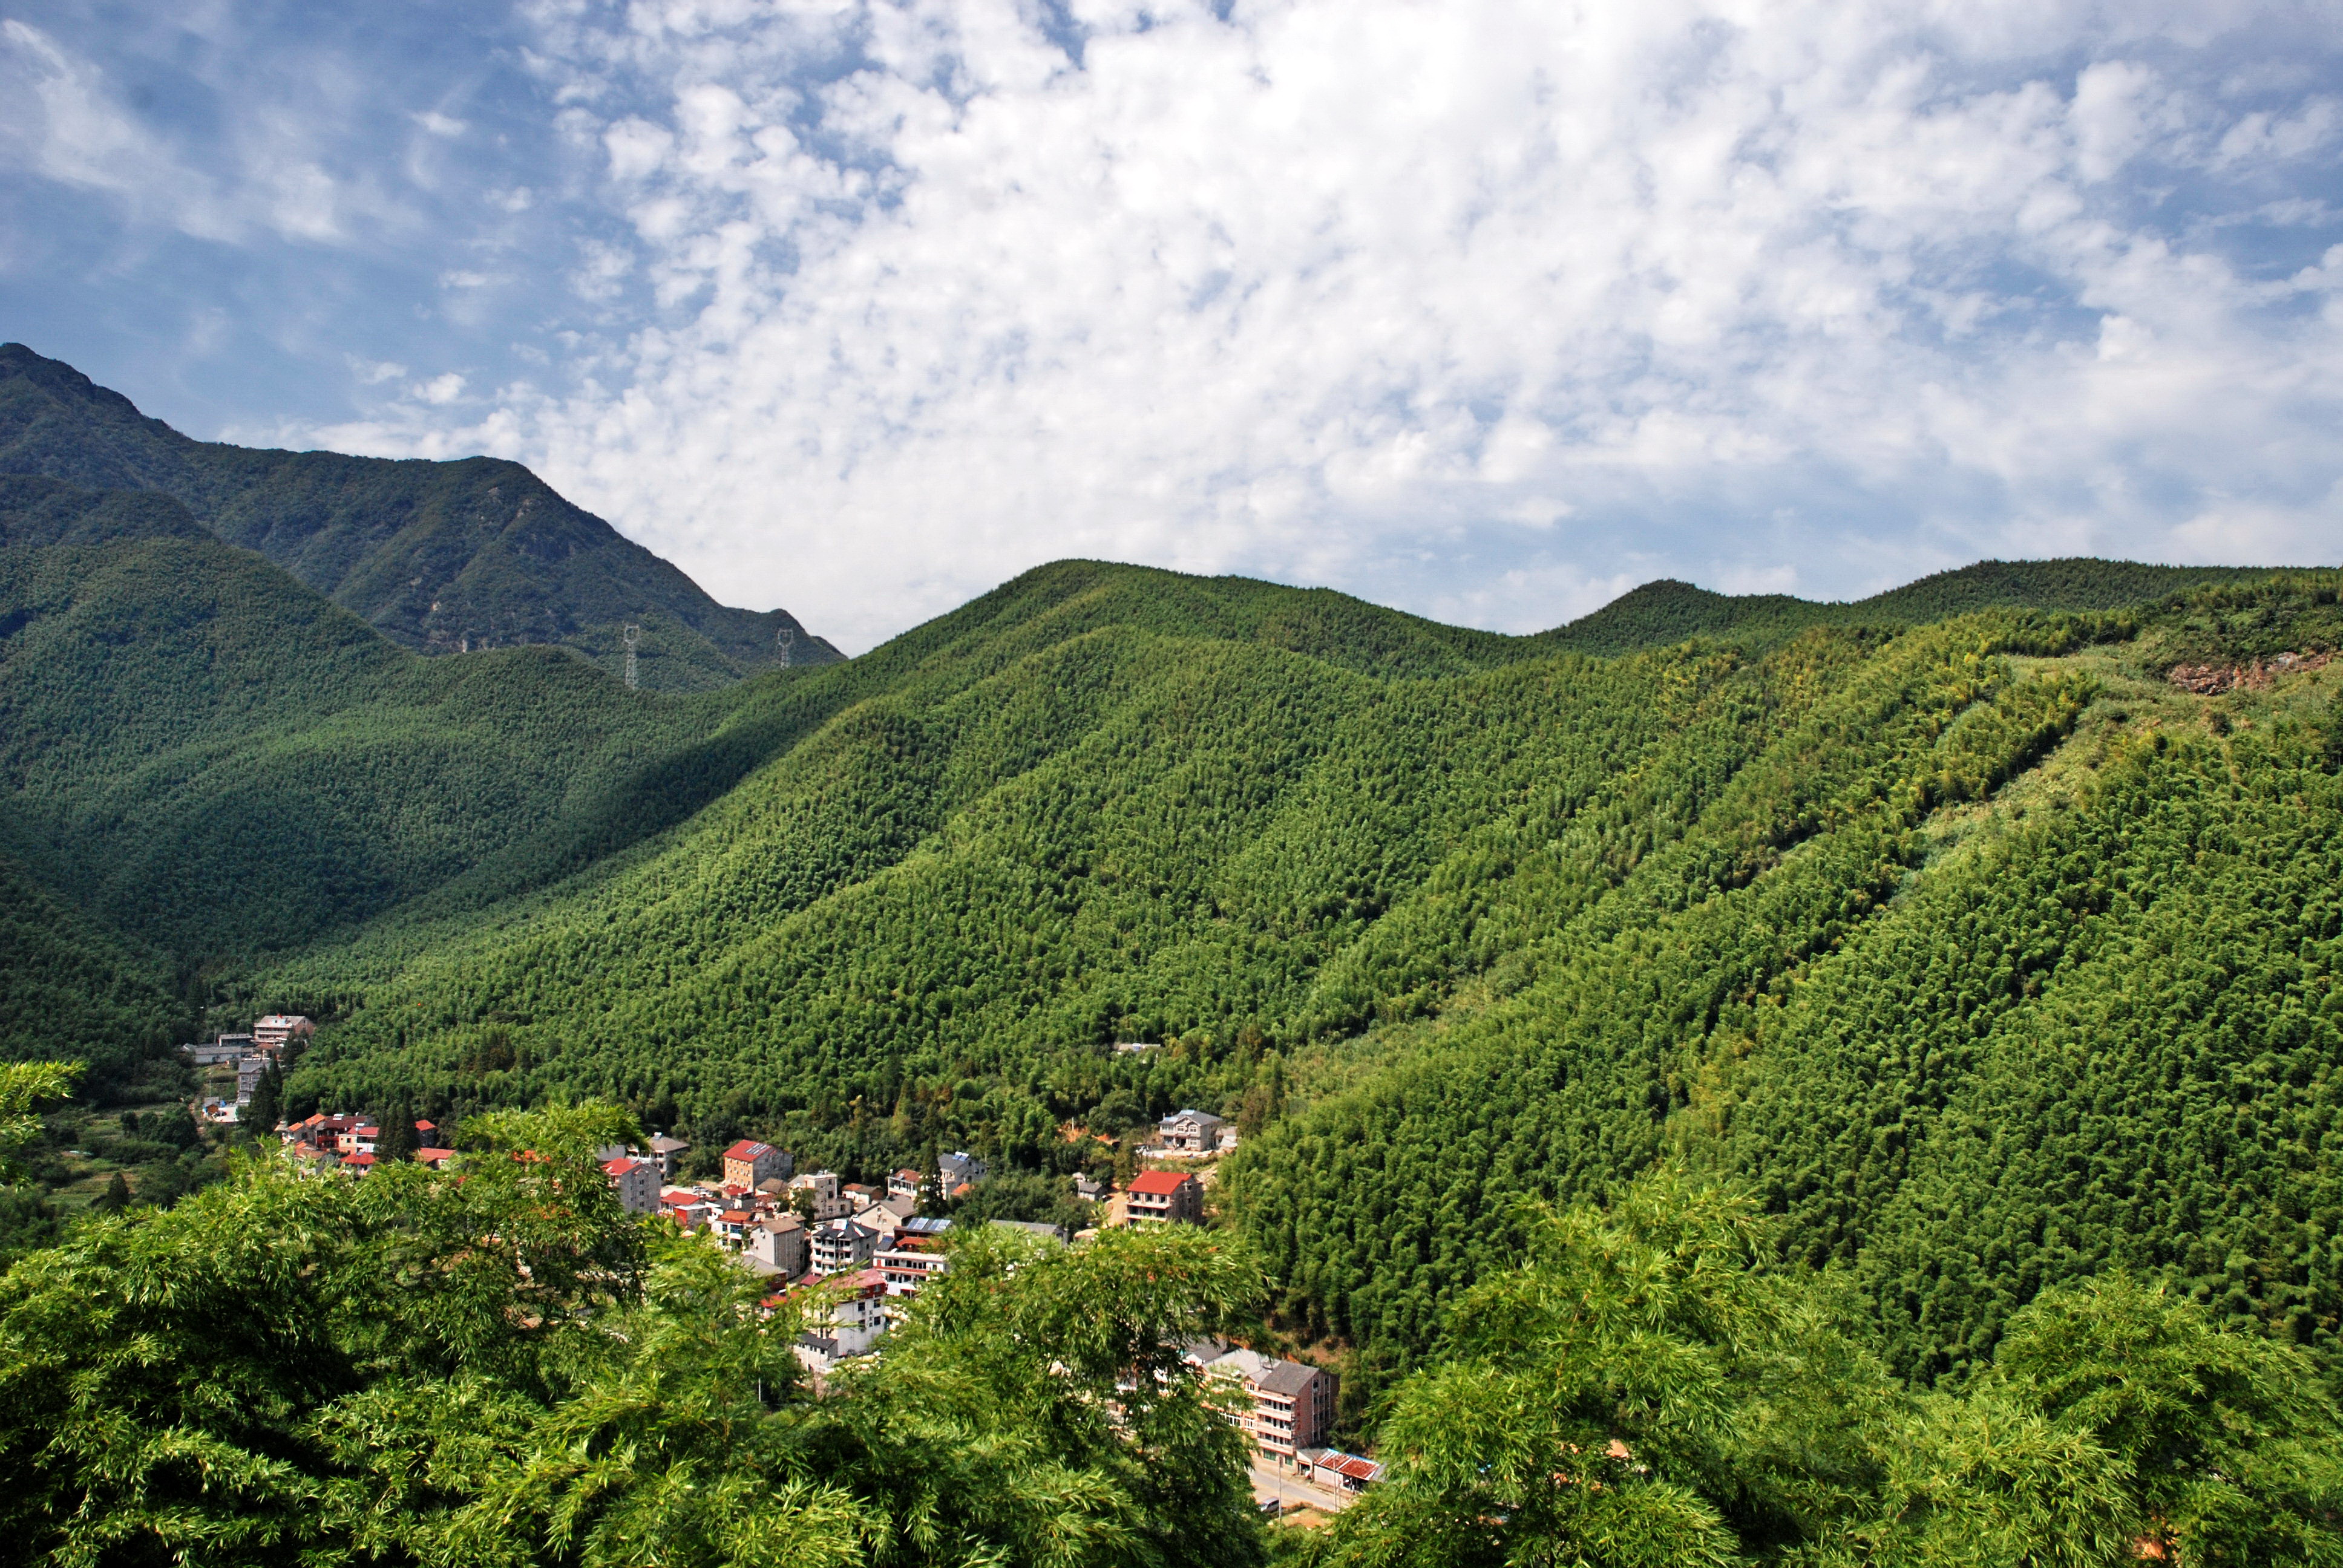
<point x="634" y="634"/>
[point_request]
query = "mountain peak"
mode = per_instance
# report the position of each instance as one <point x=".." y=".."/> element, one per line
<point x="440" y="557"/>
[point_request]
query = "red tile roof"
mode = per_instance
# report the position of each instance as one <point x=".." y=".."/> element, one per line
<point x="748" y="1148"/>
<point x="1161" y="1183"/>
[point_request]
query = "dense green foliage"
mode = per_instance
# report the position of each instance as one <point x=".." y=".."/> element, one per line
<point x="1647" y="1392"/>
<point x="69" y="987"/>
<point x="500" y="1367"/>
<point x="199" y="750"/>
<point x="1970" y="1050"/>
<point x="440" y="557"/>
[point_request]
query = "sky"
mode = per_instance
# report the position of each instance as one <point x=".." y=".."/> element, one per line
<point x="1483" y="310"/>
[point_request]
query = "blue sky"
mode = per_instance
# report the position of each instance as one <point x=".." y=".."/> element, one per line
<point x="1489" y="311"/>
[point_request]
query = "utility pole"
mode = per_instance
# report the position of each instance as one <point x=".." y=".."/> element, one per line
<point x="633" y="634"/>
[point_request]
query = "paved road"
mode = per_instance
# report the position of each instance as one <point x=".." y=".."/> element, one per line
<point x="1269" y="1482"/>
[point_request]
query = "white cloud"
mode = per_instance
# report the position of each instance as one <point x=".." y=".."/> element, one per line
<point x="1479" y="309"/>
<point x="439" y="391"/>
<point x="60" y="118"/>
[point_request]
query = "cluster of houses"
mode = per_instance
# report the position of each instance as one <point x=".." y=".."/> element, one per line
<point x="348" y="1143"/>
<point x="249" y="1054"/>
<point x="849" y="1253"/>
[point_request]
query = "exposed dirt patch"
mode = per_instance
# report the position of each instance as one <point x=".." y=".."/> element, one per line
<point x="2212" y="679"/>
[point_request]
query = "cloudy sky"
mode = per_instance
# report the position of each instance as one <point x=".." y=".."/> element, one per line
<point x="1482" y="309"/>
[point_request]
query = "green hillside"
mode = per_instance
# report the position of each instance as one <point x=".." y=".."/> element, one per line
<point x="1482" y="919"/>
<point x="438" y="556"/>
<point x="201" y="751"/>
<point x="1984" y="956"/>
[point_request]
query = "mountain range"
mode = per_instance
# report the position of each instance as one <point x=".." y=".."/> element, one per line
<point x="1986" y="932"/>
<point x="440" y="557"/>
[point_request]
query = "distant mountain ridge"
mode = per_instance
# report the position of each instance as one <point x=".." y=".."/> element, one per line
<point x="439" y="557"/>
<point x="1664" y="612"/>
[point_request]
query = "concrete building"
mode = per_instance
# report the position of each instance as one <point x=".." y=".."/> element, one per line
<point x="958" y="1169"/>
<point x="1192" y="1131"/>
<point x="1289" y="1405"/>
<point x="854" y="1320"/>
<point x="1165" y="1196"/>
<point x="667" y="1151"/>
<point x="838" y="1245"/>
<point x="778" y="1242"/>
<point x="748" y="1162"/>
<point x="907" y="1265"/>
<point x="278" y="1030"/>
<point x="636" y="1183"/>
<point x="904" y="1185"/>
<point x="219" y="1052"/>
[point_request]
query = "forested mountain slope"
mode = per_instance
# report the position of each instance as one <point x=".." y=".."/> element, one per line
<point x="438" y="556"/>
<point x="1983" y="951"/>
<point x="1562" y="914"/>
<point x="200" y="751"/>
<point x="1968" y="1051"/>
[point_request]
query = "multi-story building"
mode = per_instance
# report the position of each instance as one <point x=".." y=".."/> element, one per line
<point x="748" y="1162"/>
<point x="956" y="1170"/>
<point x="908" y="1264"/>
<point x="275" y="1032"/>
<point x="779" y="1241"/>
<point x="846" y="1320"/>
<point x="666" y="1151"/>
<point x="691" y="1210"/>
<point x="821" y="1190"/>
<point x="838" y="1245"/>
<point x="1288" y="1406"/>
<point x="636" y="1181"/>
<point x="1191" y="1132"/>
<point x="904" y="1185"/>
<point x="1165" y="1196"/>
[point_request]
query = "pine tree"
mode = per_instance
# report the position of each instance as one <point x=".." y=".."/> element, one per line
<point x="396" y="1142"/>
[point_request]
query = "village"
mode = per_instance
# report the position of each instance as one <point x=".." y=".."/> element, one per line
<point x="847" y="1256"/>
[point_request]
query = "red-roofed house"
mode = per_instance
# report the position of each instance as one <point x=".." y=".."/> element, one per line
<point x="435" y="1158"/>
<point x="359" y="1164"/>
<point x="636" y="1183"/>
<point x="748" y="1162"/>
<point x="1165" y="1195"/>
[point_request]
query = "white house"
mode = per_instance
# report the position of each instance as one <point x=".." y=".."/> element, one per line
<point x="1192" y="1131"/>
<point x="838" y="1245"/>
